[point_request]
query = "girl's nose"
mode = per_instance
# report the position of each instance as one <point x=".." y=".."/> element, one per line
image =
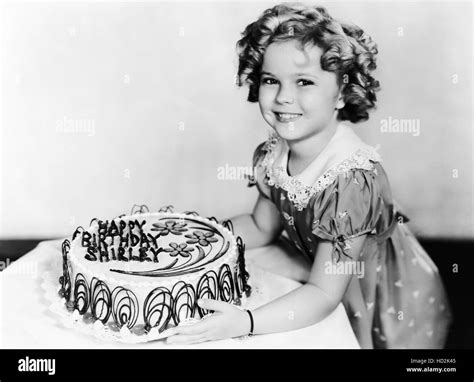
<point x="285" y="95"/>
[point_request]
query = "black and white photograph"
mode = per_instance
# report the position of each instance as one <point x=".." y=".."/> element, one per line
<point x="237" y="175"/>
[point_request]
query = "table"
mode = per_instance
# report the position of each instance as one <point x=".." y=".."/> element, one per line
<point x="26" y="322"/>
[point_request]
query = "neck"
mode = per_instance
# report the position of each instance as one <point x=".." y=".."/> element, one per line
<point x="306" y="150"/>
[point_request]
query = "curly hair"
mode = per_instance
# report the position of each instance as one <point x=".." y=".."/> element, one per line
<point x="347" y="51"/>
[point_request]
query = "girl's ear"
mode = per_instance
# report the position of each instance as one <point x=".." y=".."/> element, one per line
<point x="340" y="100"/>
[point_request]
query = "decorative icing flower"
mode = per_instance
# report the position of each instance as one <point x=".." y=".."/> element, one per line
<point x="203" y="238"/>
<point x="179" y="249"/>
<point x="169" y="226"/>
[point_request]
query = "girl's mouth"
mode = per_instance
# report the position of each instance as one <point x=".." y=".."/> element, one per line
<point x="287" y="117"/>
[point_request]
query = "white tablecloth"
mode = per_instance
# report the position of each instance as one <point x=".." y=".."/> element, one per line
<point x="27" y="322"/>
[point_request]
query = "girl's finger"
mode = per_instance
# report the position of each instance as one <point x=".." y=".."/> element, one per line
<point x="215" y="305"/>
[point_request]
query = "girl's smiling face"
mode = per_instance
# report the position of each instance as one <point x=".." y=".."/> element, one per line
<point x="297" y="98"/>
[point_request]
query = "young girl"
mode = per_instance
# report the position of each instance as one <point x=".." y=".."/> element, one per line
<point x="327" y="190"/>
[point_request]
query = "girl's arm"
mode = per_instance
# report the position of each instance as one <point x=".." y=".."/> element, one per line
<point x="304" y="306"/>
<point x="261" y="227"/>
<point x="313" y="301"/>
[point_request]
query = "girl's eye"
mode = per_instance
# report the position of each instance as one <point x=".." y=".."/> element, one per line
<point x="306" y="82"/>
<point x="271" y="81"/>
<point x="268" y="81"/>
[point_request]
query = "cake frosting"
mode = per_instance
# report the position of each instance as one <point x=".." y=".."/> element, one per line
<point x="146" y="271"/>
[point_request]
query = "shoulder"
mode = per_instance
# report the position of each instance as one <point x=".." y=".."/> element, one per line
<point x="266" y="150"/>
<point x="262" y="158"/>
<point x="353" y="199"/>
<point x="259" y="154"/>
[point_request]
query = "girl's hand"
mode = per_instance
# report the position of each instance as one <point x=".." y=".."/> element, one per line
<point x="227" y="321"/>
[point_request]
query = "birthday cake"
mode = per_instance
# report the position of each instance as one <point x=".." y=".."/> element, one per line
<point x="146" y="271"/>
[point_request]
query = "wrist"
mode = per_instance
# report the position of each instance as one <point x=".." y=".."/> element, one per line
<point x="244" y="324"/>
<point x="247" y="325"/>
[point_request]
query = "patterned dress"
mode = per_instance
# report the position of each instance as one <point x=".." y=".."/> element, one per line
<point x="400" y="301"/>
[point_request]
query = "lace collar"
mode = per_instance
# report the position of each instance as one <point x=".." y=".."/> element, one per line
<point x="299" y="192"/>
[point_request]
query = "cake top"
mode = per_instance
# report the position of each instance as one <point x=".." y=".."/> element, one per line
<point x="151" y="245"/>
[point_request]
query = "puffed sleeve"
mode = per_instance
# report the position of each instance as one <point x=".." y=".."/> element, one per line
<point x="259" y="172"/>
<point x="348" y="207"/>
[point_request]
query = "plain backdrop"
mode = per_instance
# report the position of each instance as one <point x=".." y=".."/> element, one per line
<point x="107" y="105"/>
